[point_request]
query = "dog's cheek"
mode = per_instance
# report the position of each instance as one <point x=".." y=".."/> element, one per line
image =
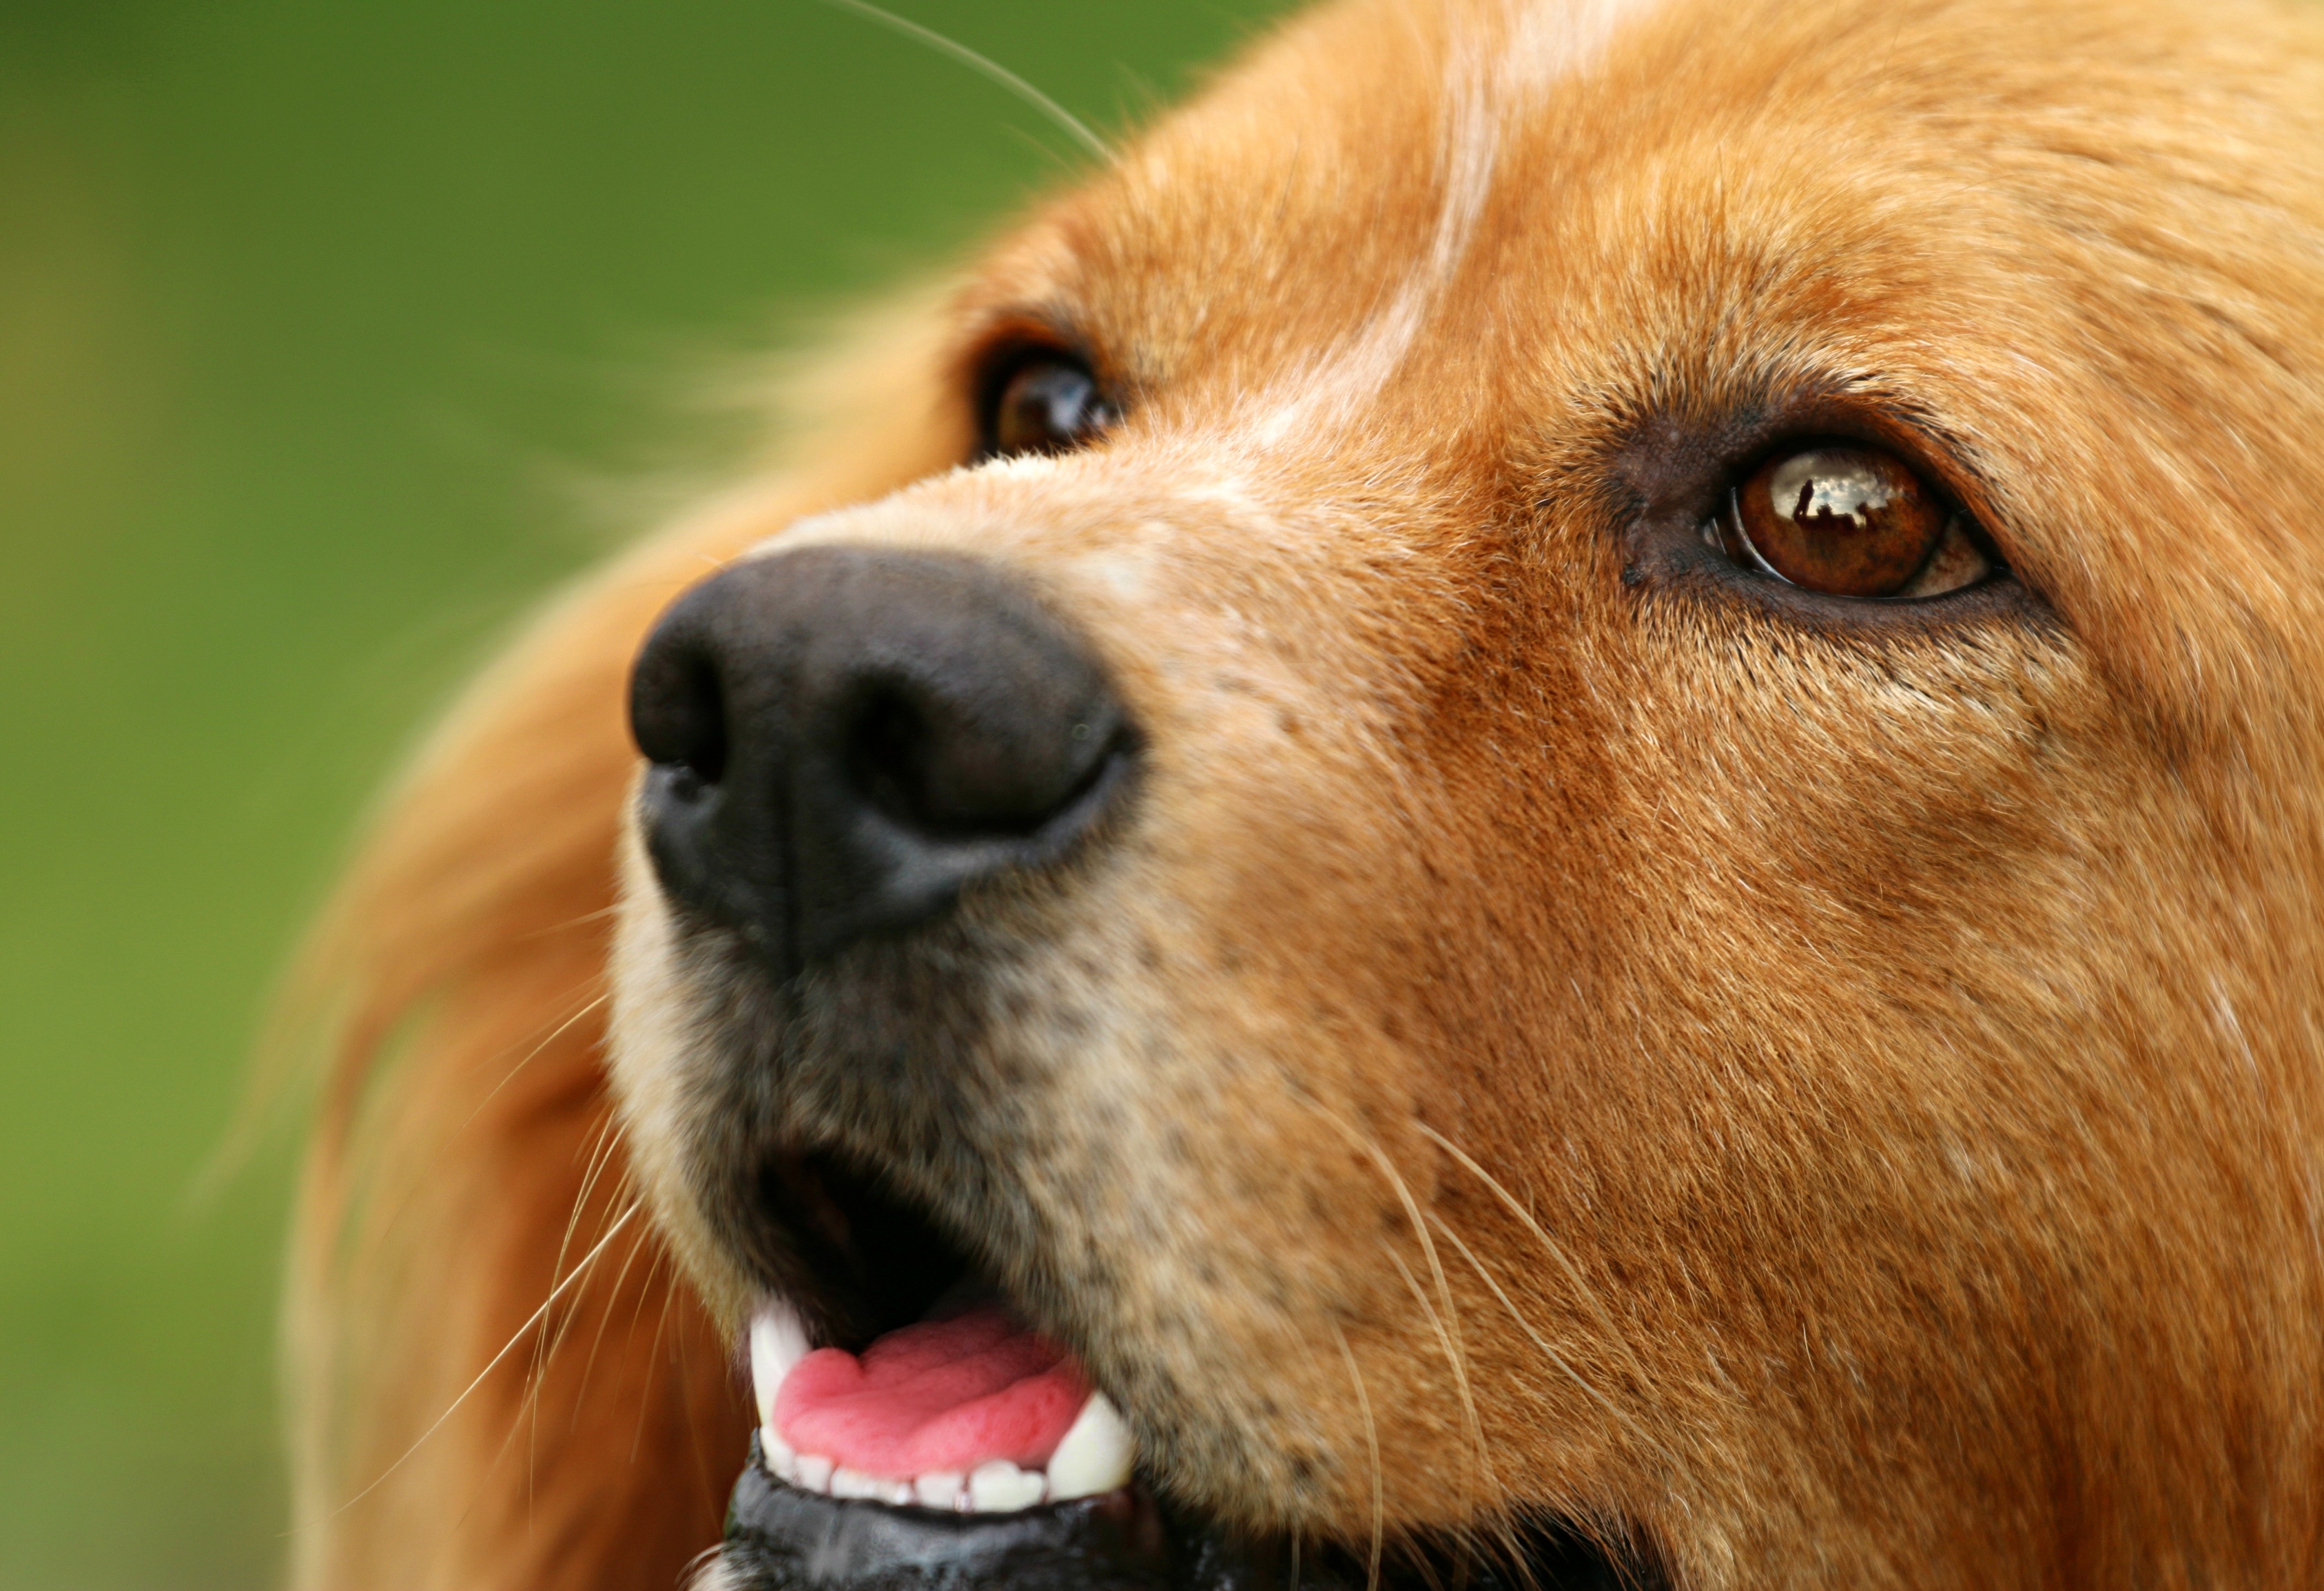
<point x="1861" y="930"/>
<point x="1209" y="1230"/>
<point x="1249" y="1118"/>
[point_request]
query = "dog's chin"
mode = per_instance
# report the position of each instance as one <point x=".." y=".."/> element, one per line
<point x="959" y="1449"/>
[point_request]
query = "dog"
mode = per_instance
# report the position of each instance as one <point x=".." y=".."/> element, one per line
<point x="1547" y="805"/>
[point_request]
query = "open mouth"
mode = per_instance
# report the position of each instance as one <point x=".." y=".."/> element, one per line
<point x="968" y="1412"/>
<point x="929" y="1391"/>
<point x="916" y="1432"/>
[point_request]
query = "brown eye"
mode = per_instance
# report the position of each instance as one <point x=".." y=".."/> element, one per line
<point x="1049" y="403"/>
<point x="1849" y="521"/>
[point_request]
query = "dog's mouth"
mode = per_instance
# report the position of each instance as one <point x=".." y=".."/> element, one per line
<point x="969" y="1412"/>
<point x="929" y="1390"/>
<point x="916" y="1432"/>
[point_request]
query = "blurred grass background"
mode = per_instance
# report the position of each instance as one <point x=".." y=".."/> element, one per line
<point x="323" y="329"/>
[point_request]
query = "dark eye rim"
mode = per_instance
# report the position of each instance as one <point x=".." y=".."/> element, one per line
<point x="1669" y="472"/>
<point x="1007" y="354"/>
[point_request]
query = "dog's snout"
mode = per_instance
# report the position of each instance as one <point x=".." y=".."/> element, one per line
<point x="843" y="737"/>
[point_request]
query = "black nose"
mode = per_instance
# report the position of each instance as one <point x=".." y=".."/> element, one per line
<point x="843" y="737"/>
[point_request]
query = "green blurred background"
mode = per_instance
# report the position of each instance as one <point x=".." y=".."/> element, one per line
<point x="330" y="336"/>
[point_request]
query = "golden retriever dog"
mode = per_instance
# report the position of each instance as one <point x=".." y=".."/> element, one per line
<point x="1544" y="807"/>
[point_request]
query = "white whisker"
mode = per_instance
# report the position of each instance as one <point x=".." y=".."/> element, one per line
<point x="522" y="1332"/>
<point x="1450" y="1339"/>
<point x="1371" y="1441"/>
<point x="1614" y="1335"/>
<point x="1543" y="1342"/>
<point x="985" y="67"/>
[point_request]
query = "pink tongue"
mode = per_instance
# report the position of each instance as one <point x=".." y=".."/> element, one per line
<point x="942" y="1395"/>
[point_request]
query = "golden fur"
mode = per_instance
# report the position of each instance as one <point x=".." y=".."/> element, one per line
<point x="1841" y="1105"/>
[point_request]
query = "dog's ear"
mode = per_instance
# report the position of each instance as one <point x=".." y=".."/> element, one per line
<point x="496" y="1378"/>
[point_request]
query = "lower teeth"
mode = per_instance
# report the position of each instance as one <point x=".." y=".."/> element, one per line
<point x="998" y="1487"/>
<point x="1095" y="1456"/>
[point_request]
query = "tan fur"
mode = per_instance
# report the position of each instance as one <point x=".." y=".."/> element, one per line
<point x="1844" y="1108"/>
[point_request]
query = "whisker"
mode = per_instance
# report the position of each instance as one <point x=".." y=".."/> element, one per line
<point x="985" y="66"/>
<point x="1553" y="1356"/>
<point x="529" y="1408"/>
<point x="605" y="1314"/>
<point x="1371" y="1441"/>
<point x="530" y="1056"/>
<point x="1614" y="1335"/>
<point x="528" y="1420"/>
<point x="600" y="915"/>
<point x="1455" y="1356"/>
<point x="522" y="1331"/>
<point x="600" y="1157"/>
<point x="654" y="1255"/>
<point x="387" y="1216"/>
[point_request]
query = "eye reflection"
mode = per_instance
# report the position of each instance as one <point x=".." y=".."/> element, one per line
<point x="1838" y="490"/>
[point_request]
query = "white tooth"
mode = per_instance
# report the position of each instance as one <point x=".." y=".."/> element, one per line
<point x="1095" y="1455"/>
<point x="813" y="1473"/>
<point x="778" y="1342"/>
<point x="854" y="1483"/>
<point x="938" y="1488"/>
<point x="777" y="1452"/>
<point x="900" y="1493"/>
<point x="1001" y="1487"/>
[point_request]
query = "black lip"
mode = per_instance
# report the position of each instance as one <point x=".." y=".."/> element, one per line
<point x="777" y="1536"/>
<point x="781" y="1538"/>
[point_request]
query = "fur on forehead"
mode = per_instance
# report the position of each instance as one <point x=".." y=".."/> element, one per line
<point x="1541" y="218"/>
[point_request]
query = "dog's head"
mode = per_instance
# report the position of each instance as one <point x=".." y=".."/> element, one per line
<point x="1597" y="798"/>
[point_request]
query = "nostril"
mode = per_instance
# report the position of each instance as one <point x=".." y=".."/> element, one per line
<point x="936" y="764"/>
<point x="887" y="758"/>
<point x="678" y="711"/>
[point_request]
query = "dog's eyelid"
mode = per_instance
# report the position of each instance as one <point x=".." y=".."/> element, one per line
<point x="1929" y="446"/>
<point x="1003" y="338"/>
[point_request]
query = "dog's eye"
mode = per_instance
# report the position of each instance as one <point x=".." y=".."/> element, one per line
<point x="1849" y="521"/>
<point x="1048" y="403"/>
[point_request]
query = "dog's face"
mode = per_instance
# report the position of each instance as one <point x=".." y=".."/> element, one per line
<point x="1599" y="797"/>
